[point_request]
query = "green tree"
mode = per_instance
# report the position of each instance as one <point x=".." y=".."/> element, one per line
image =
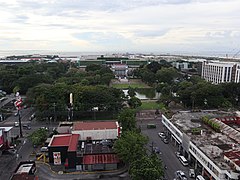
<point x="39" y="136"/>
<point x="131" y="92"/>
<point x="130" y="146"/>
<point x="134" y="102"/>
<point x="93" y="67"/>
<point x="153" y="66"/>
<point x="127" y="119"/>
<point x="166" y="75"/>
<point x="147" y="168"/>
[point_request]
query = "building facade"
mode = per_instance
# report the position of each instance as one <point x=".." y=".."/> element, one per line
<point x="209" y="152"/>
<point x="220" y="72"/>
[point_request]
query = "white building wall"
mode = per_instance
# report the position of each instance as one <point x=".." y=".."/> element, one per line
<point x="237" y="75"/>
<point x="173" y="129"/>
<point x="97" y="134"/>
<point x="215" y="171"/>
<point x="217" y="72"/>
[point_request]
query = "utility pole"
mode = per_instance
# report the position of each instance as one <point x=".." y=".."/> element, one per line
<point x="20" y="122"/>
<point x="54" y="106"/>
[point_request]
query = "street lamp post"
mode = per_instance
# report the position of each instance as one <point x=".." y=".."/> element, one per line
<point x="70" y="107"/>
<point x="20" y="122"/>
<point x="18" y="105"/>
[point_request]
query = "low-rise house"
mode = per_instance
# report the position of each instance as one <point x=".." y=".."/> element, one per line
<point x="62" y="149"/>
<point x="25" y="171"/>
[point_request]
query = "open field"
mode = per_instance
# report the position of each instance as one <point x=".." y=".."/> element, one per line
<point x="134" y="83"/>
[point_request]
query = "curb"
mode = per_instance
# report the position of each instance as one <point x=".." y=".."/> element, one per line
<point x="116" y="172"/>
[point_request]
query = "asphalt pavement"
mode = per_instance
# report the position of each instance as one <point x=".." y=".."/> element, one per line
<point x="167" y="155"/>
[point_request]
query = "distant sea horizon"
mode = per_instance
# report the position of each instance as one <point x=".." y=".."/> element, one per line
<point x="5" y="53"/>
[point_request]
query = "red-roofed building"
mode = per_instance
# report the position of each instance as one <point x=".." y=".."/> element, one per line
<point x="233" y="157"/>
<point x="100" y="162"/>
<point x="97" y="130"/>
<point x="63" y="148"/>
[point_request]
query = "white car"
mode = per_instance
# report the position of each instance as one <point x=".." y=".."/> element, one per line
<point x="178" y="154"/>
<point x="162" y="135"/>
<point x="16" y="124"/>
<point x="44" y="149"/>
<point x="191" y="173"/>
<point x="180" y="175"/>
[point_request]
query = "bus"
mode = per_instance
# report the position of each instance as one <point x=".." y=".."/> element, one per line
<point x="183" y="160"/>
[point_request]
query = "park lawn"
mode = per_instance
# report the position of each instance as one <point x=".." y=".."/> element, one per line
<point x="126" y="86"/>
<point x="151" y="105"/>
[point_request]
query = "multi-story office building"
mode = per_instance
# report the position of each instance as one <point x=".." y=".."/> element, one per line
<point x="220" y="72"/>
<point x="213" y="154"/>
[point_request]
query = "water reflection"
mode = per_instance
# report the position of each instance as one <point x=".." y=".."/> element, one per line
<point x="144" y="93"/>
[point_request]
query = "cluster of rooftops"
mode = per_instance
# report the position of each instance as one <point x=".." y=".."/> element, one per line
<point x="222" y="146"/>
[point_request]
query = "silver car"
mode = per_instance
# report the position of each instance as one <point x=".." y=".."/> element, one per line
<point x="180" y="175"/>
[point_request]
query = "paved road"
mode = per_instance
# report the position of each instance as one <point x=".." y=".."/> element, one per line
<point x="6" y="101"/>
<point x="45" y="173"/>
<point x="168" y="150"/>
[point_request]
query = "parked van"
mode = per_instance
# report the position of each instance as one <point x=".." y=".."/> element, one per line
<point x="183" y="160"/>
<point x="199" y="177"/>
<point x="151" y="126"/>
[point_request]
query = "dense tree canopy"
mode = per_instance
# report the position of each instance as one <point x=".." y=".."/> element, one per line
<point x="147" y="168"/>
<point x="130" y="146"/>
<point x="29" y="75"/>
<point x="127" y="119"/>
<point x="84" y="97"/>
<point x="39" y="136"/>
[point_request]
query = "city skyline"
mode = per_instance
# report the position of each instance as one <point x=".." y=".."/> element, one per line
<point x="120" y="25"/>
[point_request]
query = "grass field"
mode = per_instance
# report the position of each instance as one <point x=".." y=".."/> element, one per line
<point x="151" y="105"/>
<point x="134" y="83"/>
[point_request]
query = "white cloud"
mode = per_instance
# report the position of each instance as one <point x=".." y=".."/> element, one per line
<point x="120" y="25"/>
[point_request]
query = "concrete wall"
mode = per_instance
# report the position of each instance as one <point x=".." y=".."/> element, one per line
<point x="97" y="134"/>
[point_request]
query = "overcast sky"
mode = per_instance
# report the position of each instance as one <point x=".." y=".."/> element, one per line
<point x="121" y="25"/>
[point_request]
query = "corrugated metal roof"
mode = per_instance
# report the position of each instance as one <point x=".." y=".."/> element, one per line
<point x="95" y="125"/>
<point x="101" y="159"/>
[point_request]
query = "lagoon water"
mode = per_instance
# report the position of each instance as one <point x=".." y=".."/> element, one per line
<point x="144" y="93"/>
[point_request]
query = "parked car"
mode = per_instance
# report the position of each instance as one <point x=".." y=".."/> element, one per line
<point x="178" y="154"/>
<point x="151" y="126"/>
<point x="162" y="135"/>
<point x="26" y="126"/>
<point x="44" y="149"/>
<point x="46" y="128"/>
<point x="32" y="117"/>
<point x="165" y="140"/>
<point x="11" y="151"/>
<point x="16" y="124"/>
<point x="156" y="150"/>
<point x="106" y="142"/>
<point x="191" y="173"/>
<point x="180" y="175"/>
